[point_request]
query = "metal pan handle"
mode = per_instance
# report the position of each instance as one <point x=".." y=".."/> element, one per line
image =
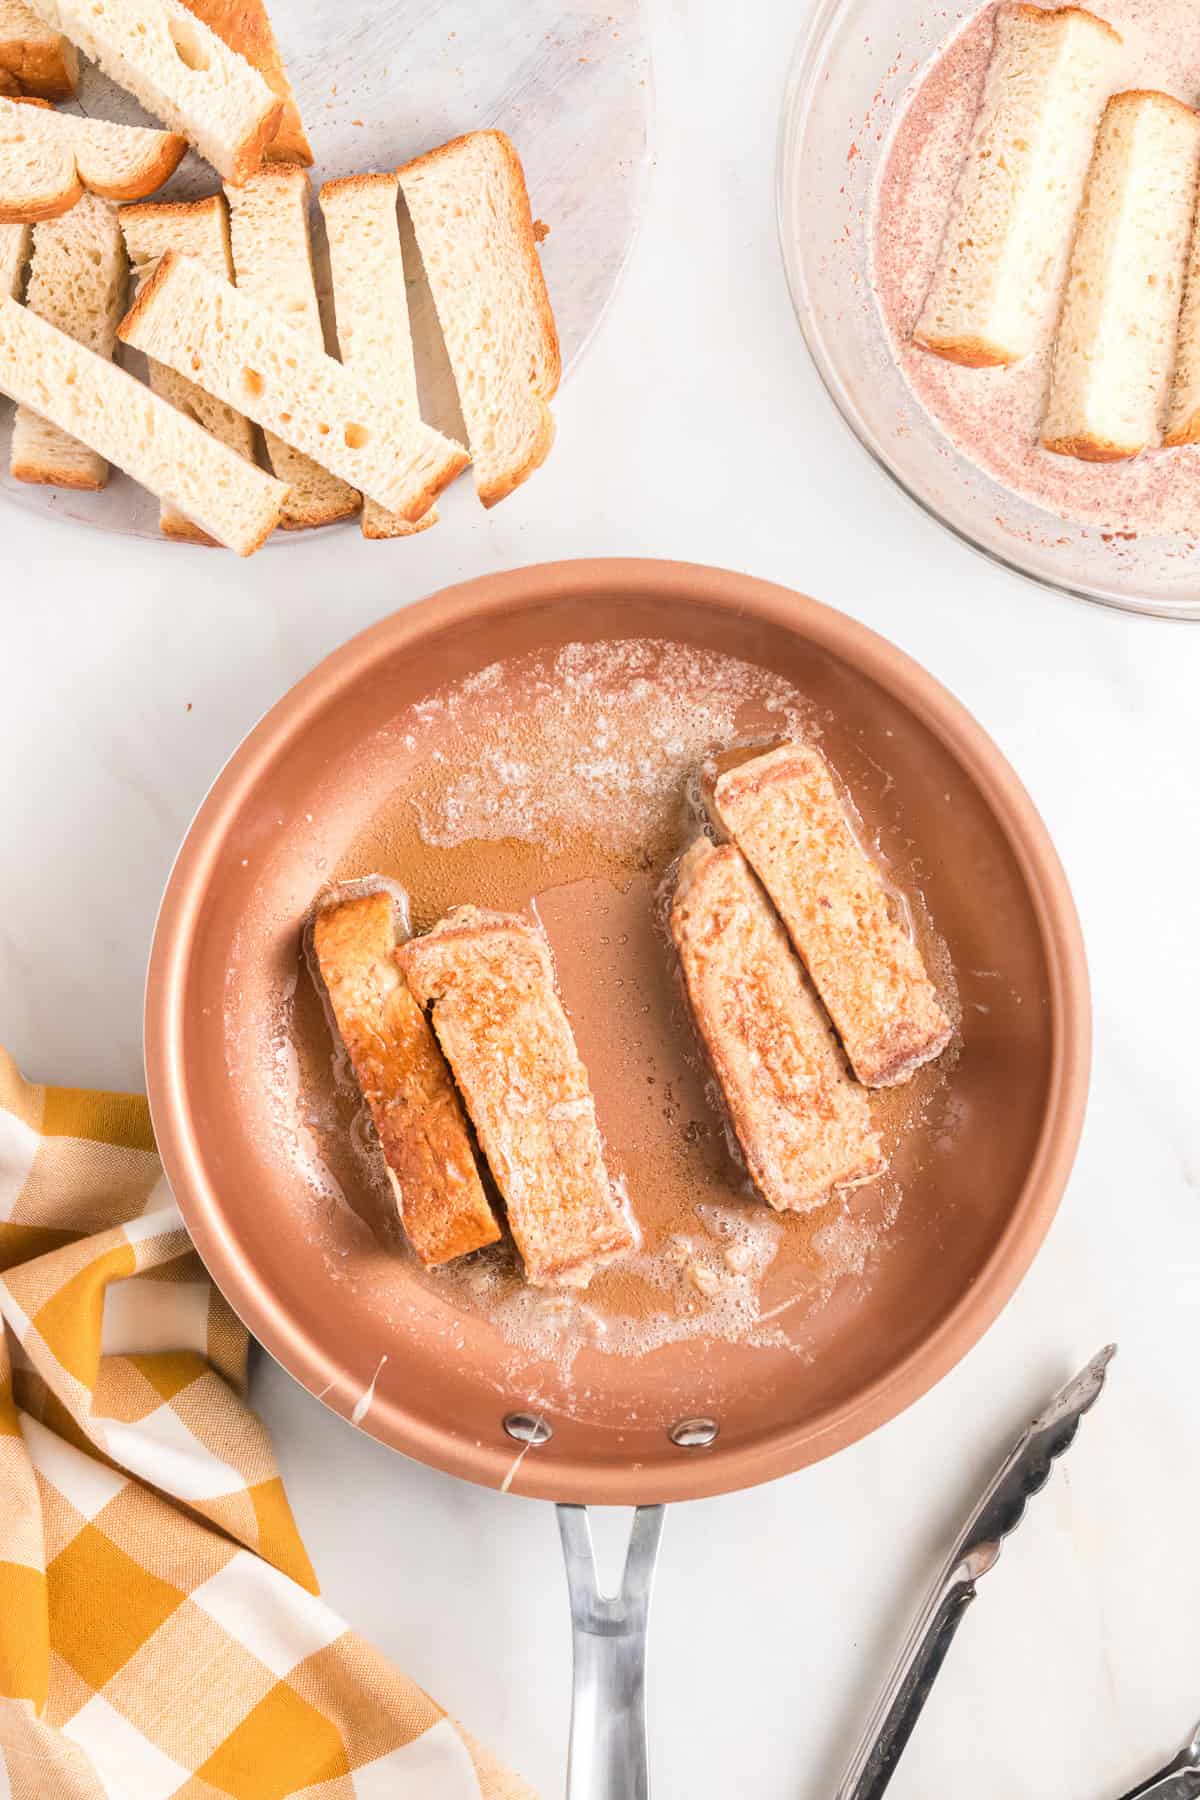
<point x="608" y="1700"/>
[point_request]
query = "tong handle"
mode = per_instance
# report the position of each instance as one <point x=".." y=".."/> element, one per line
<point x="901" y="1703"/>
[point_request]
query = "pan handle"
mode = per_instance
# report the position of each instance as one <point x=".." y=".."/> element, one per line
<point x="608" y="1700"/>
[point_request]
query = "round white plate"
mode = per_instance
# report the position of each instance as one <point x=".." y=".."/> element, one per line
<point x="380" y="81"/>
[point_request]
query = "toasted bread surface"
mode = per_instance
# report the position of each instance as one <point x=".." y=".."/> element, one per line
<point x="804" y="1126"/>
<point x="417" y="1113"/>
<point x="33" y="58"/>
<point x="785" y="814"/>
<point x="488" y="979"/>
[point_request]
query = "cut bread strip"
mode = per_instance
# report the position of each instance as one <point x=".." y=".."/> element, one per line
<point x="784" y="813"/>
<point x="248" y="357"/>
<point x="371" y="302"/>
<point x="48" y="159"/>
<point x="272" y="257"/>
<point x="180" y="71"/>
<point x="803" y="1124"/>
<point x="127" y="424"/>
<point x="15" y="241"/>
<point x="34" y="59"/>
<point x="1116" y="341"/>
<point x="999" y="273"/>
<point x="470" y="211"/>
<point x="76" y="281"/>
<point x="1183" y="415"/>
<point x="489" y="980"/>
<point x="246" y="28"/>
<point x="422" y="1128"/>
<point x="198" y="228"/>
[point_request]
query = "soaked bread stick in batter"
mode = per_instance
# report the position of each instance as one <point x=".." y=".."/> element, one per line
<point x="405" y="1081"/>
<point x="489" y="981"/>
<point x="803" y="1124"/>
<point x="784" y="813"/>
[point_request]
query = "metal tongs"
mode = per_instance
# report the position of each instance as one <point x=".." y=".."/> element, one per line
<point x="1025" y="1473"/>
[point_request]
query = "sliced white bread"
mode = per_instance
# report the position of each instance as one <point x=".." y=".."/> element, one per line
<point x="124" y="422"/>
<point x="248" y="356"/>
<point x="198" y="228"/>
<point x="48" y="159"/>
<point x="999" y="272"/>
<point x="76" y="281"/>
<point x="246" y="28"/>
<point x="470" y="211"/>
<point x="1116" y="339"/>
<point x="1183" y="413"/>
<point x="14" y="254"/>
<point x="34" y="59"/>
<point x="181" y="72"/>
<point x="371" y="302"/>
<point x="272" y="259"/>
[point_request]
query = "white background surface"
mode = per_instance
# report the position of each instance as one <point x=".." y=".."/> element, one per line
<point x="696" y="429"/>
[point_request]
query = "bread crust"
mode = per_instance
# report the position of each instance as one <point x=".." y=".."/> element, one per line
<point x="246" y="27"/>
<point x="1084" y="447"/>
<point x="1068" y="12"/>
<point x="968" y="352"/>
<point x="46" y="66"/>
<point x="1186" y="433"/>
<point x="49" y="475"/>
<point x="250" y="153"/>
<point x="164" y="152"/>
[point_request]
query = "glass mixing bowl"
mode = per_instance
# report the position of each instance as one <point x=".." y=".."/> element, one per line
<point x="852" y="69"/>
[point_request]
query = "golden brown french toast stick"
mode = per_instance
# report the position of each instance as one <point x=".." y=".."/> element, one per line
<point x="404" y="1079"/>
<point x="489" y="980"/>
<point x="784" y="813"/>
<point x="803" y="1124"/>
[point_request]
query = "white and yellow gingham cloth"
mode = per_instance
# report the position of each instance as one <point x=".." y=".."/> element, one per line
<point x="160" y="1631"/>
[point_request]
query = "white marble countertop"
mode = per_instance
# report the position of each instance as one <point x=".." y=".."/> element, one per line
<point x="697" y="429"/>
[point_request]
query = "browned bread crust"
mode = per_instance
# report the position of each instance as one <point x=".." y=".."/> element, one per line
<point x="164" y="153"/>
<point x="786" y="816"/>
<point x="803" y="1124"/>
<point x="1067" y="12"/>
<point x="246" y="27"/>
<point x="968" y="352"/>
<point x="405" y="1081"/>
<point x="489" y="980"/>
<point x="46" y="65"/>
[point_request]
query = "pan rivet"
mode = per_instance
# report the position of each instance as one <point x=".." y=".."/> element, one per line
<point x="694" y="1434"/>
<point x="528" y="1428"/>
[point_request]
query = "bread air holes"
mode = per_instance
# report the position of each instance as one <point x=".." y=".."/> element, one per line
<point x="189" y="46"/>
<point x="356" y="436"/>
<point x="253" y="383"/>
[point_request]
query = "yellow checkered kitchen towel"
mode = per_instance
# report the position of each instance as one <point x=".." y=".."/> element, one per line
<point x="160" y="1632"/>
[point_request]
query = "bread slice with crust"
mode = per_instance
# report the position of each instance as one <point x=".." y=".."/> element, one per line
<point x="124" y="422"/>
<point x="247" y="356"/>
<point x="34" y="59"/>
<point x="488" y="980"/>
<point x="272" y="257"/>
<point x="198" y="228"/>
<point x="246" y="27"/>
<point x="77" y="279"/>
<point x="999" y="272"/>
<point x="785" y="815"/>
<point x="371" y="302"/>
<point x="180" y="71"/>
<point x="1115" y="353"/>
<point x="804" y="1126"/>
<point x="48" y="159"/>
<point x="404" y="1079"/>
<point x="15" y="242"/>
<point x="474" y="227"/>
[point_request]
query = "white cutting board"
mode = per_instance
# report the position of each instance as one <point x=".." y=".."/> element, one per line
<point x="380" y="81"/>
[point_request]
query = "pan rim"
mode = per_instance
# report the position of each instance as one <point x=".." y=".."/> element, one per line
<point x="780" y="1450"/>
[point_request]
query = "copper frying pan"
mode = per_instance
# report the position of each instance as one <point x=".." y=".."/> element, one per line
<point x="349" y="1319"/>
